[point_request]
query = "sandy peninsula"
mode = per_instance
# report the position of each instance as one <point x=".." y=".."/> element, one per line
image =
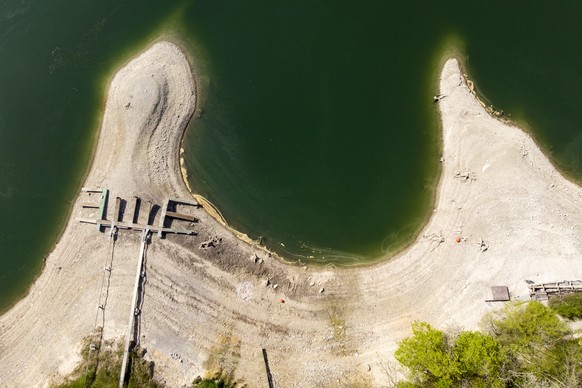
<point x="213" y="301"/>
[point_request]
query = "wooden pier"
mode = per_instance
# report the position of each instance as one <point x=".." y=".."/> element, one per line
<point x="102" y="205"/>
<point x="167" y="214"/>
<point x="133" y="312"/>
<point x="139" y="227"/>
<point x="191" y="202"/>
<point x="544" y="291"/>
<point x="163" y="218"/>
<point x="132" y="220"/>
<point x="89" y="190"/>
<point x="133" y="207"/>
<point x="180" y="216"/>
<point x="126" y="217"/>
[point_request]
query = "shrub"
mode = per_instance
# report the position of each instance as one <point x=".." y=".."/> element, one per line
<point x="426" y="354"/>
<point x="101" y="368"/>
<point x="217" y="380"/>
<point x="568" y="306"/>
<point x="533" y="334"/>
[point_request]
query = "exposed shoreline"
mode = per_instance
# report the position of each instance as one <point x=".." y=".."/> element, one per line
<point x="217" y="307"/>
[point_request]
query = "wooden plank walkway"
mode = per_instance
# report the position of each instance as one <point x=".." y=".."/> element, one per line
<point x="133" y="207"/>
<point x="116" y="213"/>
<point x="170" y="214"/>
<point x="127" y="225"/>
<point x="163" y="217"/>
<point x="89" y="190"/>
<point x="544" y="291"/>
<point x="103" y="206"/>
<point x="181" y="216"/>
<point x="192" y="201"/>
<point x="133" y="311"/>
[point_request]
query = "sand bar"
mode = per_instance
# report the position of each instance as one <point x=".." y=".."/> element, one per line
<point x="219" y="306"/>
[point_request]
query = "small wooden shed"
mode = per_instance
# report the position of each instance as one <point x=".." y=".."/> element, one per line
<point x="500" y="293"/>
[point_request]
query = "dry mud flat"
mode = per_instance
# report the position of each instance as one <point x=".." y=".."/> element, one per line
<point x="217" y="305"/>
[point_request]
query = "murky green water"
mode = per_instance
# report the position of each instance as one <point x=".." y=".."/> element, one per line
<point x="318" y="130"/>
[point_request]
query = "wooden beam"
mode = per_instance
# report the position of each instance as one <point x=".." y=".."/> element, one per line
<point x="181" y="216"/>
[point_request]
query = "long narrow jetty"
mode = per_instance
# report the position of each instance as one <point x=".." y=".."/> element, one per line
<point x="133" y="313"/>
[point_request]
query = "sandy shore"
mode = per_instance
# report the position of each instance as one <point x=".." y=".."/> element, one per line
<point x="205" y="308"/>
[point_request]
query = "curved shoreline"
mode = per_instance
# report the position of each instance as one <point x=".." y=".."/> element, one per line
<point x="336" y="323"/>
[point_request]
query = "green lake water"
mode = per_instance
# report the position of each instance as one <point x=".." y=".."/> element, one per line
<point x="317" y="132"/>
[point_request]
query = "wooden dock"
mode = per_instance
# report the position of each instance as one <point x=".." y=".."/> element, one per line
<point x="133" y="312"/>
<point x="89" y="190"/>
<point x="139" y="227"/>
<point x="134" y="208"/>
<point x="126" y="214"/>
<point x="163" y="218"/>
<point x="191" y="202"/>
<point x="167" y="214"/>
<point x="544" y="291"/>
<point x="103" y="207"/>
<point x="181" y="216"/>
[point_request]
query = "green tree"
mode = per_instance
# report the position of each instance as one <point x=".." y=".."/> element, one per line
<point x="426" y="354"/>
<point x="523" y="344"/>
<point x="480" y="359"/>
<point x="533" y="335"/>
<point x="435" y="359"/>
<point x="540" y="346"/>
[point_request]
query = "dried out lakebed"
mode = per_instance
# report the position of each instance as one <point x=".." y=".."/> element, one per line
<point x="213" y="301"/>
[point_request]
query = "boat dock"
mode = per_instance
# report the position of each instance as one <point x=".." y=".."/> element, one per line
<point x="169" y="212"/>
<point x="138" y="227"/>
<point x="101" y="205"/>
<point x="126" y="216"/>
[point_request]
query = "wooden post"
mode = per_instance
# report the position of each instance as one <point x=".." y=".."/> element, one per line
<point x="269" y="376"/>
